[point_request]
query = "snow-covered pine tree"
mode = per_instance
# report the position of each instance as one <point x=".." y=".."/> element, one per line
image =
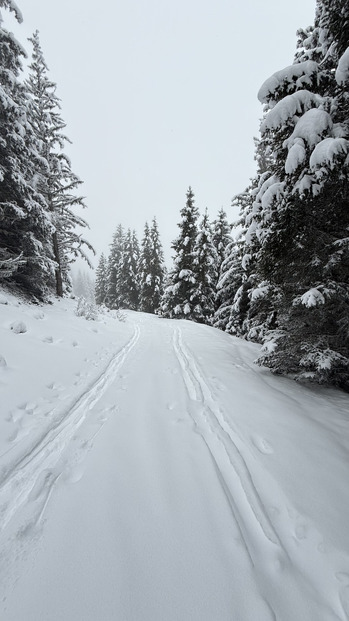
<point x="303" y="220"/>
<point x="25" y="227"/>
<point x="113" y="268"/>
<point x="55" y="179"/>
<point x="226" y="286"/>
<point x="205" y="260"/>
<point x="145" y="284"/>
<point x="176" y="301"/>
<point x="101" y="286"/>
<point x="232" y="301"/>
<point x="221" y="236"/>
<point x="157" y="266"/>
<point x="128" y="273"/>
<point x="136" y="255"/>
<point x="151" y="269"/>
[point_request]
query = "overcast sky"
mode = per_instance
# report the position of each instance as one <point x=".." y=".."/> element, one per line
<point x="159" y="95"/>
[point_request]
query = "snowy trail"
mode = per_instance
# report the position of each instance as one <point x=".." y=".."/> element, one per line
<point x="166" y="492"/>
<point x="34" y="473"/>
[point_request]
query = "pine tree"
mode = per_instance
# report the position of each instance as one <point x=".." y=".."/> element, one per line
<point x="55" y="179"/>
<point x="205" y="260"/>
<point x="113" y="268"/>
<point x="151" y="269"/>
<point x="221" y="236"/>
<point x="177" y="298"/>
<point x="25" y="227"/>
<point x="234" y="283"/>
<point x="101" y="286"/>
<point x="145" y="295"/>
<point x="157" y="271"/>
<point x="128" y="273"/>
<point x="302" y="218"/>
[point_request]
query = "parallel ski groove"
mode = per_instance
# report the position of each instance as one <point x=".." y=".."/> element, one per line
<point x="18" y="482"/>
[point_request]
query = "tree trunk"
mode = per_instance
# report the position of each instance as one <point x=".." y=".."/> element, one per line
<point x="59" y="280"/>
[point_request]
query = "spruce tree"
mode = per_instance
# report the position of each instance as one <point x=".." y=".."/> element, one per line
<point x="55" y="179"/>
<point x="221" y="236"/>
<point x="25" y="226"/>
<point x="234" y="282"/>
<point x="157" y="267"/>
<point x="301" y="216"/>
<point x="113" y="268"/>
<point x="145" y="294"/>
<point x="177" y="299"/>
<point x="101" y="286"/>
<point x="205" y="260"/>
<point x="128" y="273"/>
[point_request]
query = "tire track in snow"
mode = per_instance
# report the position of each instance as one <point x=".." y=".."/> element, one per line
<point x="35" y="468"/>
<point x="268" y="553"/>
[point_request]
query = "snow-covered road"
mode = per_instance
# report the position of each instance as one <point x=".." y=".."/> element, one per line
<point x="181" y="483"/>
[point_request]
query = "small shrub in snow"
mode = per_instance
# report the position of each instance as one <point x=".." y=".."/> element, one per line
<point x="19" y="327"/>
<point x="86" y="309"/>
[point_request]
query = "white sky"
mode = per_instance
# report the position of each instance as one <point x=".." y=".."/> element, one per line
<point x="159" y="95"/>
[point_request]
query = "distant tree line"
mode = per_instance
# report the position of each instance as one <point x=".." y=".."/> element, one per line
<point x="39" y="229"/>
<point x="132" y="276"/>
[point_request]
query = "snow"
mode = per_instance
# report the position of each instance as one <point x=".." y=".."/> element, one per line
<point x="150" y="471"/>
<point x="288" y="107"/>
<point x="326" y="152"/>
<point x="342" y="71"/>
<point x="299" y="74"/>
<point x="295" y="156"/>
<point x="312" y="297"/>
<point x="311" y="127"/>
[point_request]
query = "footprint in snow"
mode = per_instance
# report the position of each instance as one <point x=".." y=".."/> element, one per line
<point x="39" y="315"/>
<point x="301" y="531"/>
<point x="54" y="386"/>
<point x="19" y="327"/>
<point x="47" y="339"/>
<point x="263" y="445"/>
<point x="28" y="407"/>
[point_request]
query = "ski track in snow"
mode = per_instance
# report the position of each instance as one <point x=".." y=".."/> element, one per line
<point x="270" y="554"/>
<point x="33" y="475"/>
